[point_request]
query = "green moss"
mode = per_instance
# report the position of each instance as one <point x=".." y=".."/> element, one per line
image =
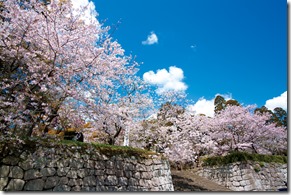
<point x="122" y="150"/>
<point x="243" y="157"/>
<point x="111" y="150"/>
<point x="31" y="144"/>
<point x="72" y="142"/>
<point x="257" y="169"/>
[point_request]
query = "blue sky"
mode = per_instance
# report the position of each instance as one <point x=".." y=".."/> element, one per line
<point x="237" y="48"/>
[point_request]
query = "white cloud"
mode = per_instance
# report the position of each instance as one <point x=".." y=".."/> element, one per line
<point x="90" y="13"/>
<point x="280" y="101"/>
<point x="204" y="106"/>
<point x="166" y="80"/>
<point x="152" y="39"/>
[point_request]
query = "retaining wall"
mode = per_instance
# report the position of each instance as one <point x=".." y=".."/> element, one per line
<point x="74" y="168"/>
<point x="250" y="176"/>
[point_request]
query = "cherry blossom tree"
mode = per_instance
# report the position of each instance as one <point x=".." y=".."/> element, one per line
<point x="180" y="135"/>
<point x="183" y="137"/>
<point x="237" y="128"/>
<point x="51" y="58"/>
<point x="188" y="136"/>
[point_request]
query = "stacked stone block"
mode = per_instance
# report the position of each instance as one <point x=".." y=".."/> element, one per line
<point x="250" y="176"/>
<point x="73" y="169"/>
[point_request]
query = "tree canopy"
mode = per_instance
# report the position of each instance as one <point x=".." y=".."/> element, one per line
<point x="61" y="72"/>
<point x="56" y="65"/>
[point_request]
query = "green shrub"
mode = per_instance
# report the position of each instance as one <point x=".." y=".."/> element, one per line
<point x="111" y="150"/>
<point x="243" y="157"/>
<point x="31" y="144"/>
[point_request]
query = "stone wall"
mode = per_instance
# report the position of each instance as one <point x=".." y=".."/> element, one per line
<point x="249" y="176"/>
<point x="75" y="168"/>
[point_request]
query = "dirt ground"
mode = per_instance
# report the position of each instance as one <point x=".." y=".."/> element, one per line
<point x="187" y="180"/>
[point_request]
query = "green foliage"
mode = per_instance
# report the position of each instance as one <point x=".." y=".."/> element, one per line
<point x="73" y="143"/>
<point x="244" y="157"/>
<point x="232" y="102"/>
<point x="262" y="110"/>
<point x="219" y="103"/>
<point x="257" y="169"/>
<point x="111" y="150"/>
<point x="279" y="116"/>
<point x="262" y="164"/>
<point x="31" y="144"/>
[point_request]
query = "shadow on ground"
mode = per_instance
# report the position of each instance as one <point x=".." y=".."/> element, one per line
<point x="188" y="181"/>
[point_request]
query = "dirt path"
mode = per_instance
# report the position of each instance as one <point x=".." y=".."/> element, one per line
<point x="189" y="181"/>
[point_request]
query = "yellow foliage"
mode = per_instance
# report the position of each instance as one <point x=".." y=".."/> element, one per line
<point x="71" y="129"/>
<point x="74" y="129"/>
<point x="56" y="133"/>
<point x="88" y="125"/>
<point x="61" y="2"/>
<point x="98" y="134"/>
<point x="94" y="134"/>
<point x="52" y="132"/>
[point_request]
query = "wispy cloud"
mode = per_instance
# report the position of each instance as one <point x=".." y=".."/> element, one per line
<point x="280" y="101"/>
<point x="166" y="80"/>
<point x="204" y="106"/>
<point x="193" y="47"/>
<point x="152" y="39"/>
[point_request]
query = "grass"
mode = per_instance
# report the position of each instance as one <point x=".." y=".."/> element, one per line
<point x="32" y="143"/>
<point x="111" y="150"/>
<point x="243" y="157"/>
